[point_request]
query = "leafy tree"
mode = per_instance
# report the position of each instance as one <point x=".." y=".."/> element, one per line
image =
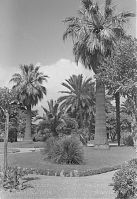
<point x="29" y="88"/>
<point x="78" y="98"/>
<point x="131" y="102"/>
<point x="117" y="71"/>
<point x="6" y="100"/>
<point x="94" y="33"/>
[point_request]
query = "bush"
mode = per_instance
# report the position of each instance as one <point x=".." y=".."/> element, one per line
<point x="13" y="180"/>
<point x="125" y="184"/>
<point x="128" y="141"/>
<point x="66" y="150"/>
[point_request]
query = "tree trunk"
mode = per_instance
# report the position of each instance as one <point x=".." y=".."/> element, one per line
<point x="81" y="117"/>
<point x="100" y="140"/>
<point x="6" y="144"/>
<point x="117" y="100"/>
<point x="27" y="136"/>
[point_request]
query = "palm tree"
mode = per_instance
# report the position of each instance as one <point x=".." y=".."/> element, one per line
<point x="55" y="119"/>
<point x="79" y="96"/>
<point x="94" y="33"/>
<point x="29" y="88"/>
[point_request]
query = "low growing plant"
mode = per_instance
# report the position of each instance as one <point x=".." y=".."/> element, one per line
<point x="13" y="180"/>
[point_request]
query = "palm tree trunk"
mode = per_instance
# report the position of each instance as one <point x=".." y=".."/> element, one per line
<point x="81" y="117"/>
<point x="100" y="140"/>
<point x="6" y="145"/>
<point x="27" y="136"/>
<point x="117" y="100"/>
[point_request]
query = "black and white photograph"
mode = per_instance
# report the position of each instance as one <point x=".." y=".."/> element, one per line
<point x="68" y="99"/>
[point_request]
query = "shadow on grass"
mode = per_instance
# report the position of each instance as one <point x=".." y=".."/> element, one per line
<point x="28" y="179"/>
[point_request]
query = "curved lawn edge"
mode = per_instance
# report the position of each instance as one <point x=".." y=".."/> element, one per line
<point x="73" y="173"/>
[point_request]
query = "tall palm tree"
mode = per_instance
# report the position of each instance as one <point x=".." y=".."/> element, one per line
<point x="79" y="95"/>
<point x="94" y="33"/>
<point x="29" y="88"/>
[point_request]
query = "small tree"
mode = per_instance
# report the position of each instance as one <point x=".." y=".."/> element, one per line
<point x="6" y="99"/>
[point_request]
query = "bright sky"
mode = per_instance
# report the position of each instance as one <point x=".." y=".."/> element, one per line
<point x="31" y="32"/>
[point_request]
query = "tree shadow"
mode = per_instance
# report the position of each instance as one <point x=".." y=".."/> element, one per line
<point x="27" y="179"/>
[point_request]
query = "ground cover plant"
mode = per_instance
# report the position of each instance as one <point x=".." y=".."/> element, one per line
<point x="14" y="179"/>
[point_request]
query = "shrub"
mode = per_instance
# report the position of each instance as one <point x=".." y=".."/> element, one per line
<point x="128" y="141"/>
<point x="66" y="150"/>
<point x="125" y="184"/>
<point x="13" y="179"/>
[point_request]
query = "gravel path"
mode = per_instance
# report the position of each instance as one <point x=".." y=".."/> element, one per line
<point x="48" y="187"/>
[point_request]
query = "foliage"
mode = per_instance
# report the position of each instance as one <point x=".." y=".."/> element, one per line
<point x="128" y="141"/>
<point x="116" y="72"/>
<point x="28" y="84"/>
<point x="120" y="67"/>
<point x="29" y="89"/>
<point x="12" y="137"/>
<point x="66" y="150"/>
<point x="94" y="32"/>
<point x="14" y="179"/>
<point x="125" y="181"/>
<point x="79" y="99"/>
<point x="56" y="120"/>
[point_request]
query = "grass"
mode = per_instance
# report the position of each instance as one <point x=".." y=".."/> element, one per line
<point x="94" y="159"/>
<point x="22" y="145"/>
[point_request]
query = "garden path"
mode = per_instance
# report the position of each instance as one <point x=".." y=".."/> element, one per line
<point x="91" y="187"/>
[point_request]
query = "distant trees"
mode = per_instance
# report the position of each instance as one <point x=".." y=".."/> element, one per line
<point x="29" y="89"/>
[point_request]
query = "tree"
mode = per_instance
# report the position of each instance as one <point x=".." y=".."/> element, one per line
<point x="7" y="98"/>
<point x="117" y="71"/>
<point x="79" y="96"/>
<point x="94" y="34"/>
<point x="56" y="120"/>
<point x="29" y="88"/>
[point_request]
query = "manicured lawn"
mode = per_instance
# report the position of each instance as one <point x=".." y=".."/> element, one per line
<point x="23" y="145"/>
<point x="94" y="159"/>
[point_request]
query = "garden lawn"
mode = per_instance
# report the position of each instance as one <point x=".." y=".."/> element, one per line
<point x="22" y="144"/>
<point x="94" y="159"/>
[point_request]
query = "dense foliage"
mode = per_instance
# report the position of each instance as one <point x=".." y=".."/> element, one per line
<point x="125" y="180"/>
<point x="66" y="150"/>
<point x="29" y="89"/>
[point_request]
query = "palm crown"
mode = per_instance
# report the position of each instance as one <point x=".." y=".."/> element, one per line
<point x="28" y="84"/>
<point x="80" y="93"/>
<point x="95" y="32"/>
<point x="78" y="97"/>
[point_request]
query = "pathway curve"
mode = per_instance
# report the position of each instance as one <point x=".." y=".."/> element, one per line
<point x="91" y="187"/>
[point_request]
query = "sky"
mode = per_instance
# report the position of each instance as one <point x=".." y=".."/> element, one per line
<point x="31" y="32"/>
